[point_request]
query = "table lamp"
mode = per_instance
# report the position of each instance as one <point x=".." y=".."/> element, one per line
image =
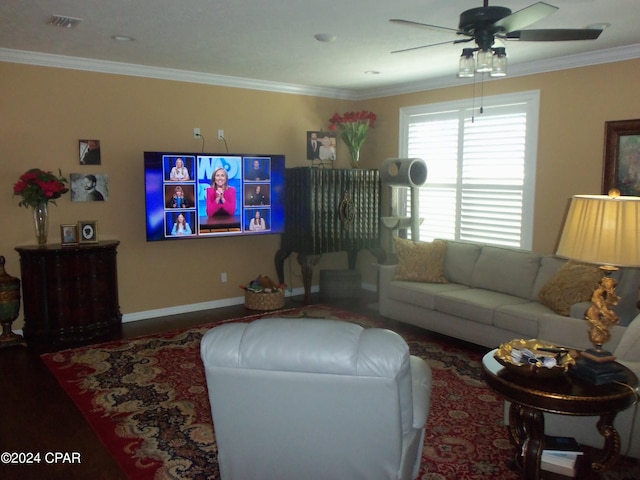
<point x="603" y="230"/>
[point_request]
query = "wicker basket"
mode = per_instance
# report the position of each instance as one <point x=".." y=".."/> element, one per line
<point x="264" y="301"/>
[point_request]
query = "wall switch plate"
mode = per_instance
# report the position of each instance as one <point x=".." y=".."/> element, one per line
<point x="196" y="132"/>
<point x="223" y="277"/>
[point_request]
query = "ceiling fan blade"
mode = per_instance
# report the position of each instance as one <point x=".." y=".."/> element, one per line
<point x="525" y="17"/>
<point x="410" y="23"/>
<point x="432" y="45"/>
<point x="554" y="34"/>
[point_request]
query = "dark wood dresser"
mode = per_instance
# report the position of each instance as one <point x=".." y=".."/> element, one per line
<point x="70" y="293"/>
<point x="329" y="210"/>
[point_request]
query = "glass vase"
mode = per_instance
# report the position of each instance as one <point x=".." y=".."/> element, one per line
<point x="41" y="222"/>
<point x="355" y="156"/>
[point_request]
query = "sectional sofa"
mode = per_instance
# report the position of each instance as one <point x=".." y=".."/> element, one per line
<point x="488" y="295"/>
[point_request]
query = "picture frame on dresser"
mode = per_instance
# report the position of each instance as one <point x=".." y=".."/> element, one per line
<point x="69" y="234"/>
<point x="88" y="231"/>
<point x="621" y="167"/>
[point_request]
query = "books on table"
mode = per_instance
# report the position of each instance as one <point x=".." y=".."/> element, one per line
<point x="562" y="463"/>
<point x="560" y="455"/>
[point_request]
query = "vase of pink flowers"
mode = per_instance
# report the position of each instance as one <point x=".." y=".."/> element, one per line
<point x="353" y="128"/>
<point x="37" y="188"/>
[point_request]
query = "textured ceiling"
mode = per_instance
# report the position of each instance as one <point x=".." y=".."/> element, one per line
<point x="273" y="41"/>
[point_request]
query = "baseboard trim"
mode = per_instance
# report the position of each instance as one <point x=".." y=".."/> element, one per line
<point x="197" y="307"/>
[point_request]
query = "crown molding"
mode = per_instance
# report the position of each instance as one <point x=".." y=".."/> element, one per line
<point x="597" y="57"/>
<point x="117" y="68"/>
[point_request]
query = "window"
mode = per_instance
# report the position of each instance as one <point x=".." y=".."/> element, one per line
<point x="481" y="168"/>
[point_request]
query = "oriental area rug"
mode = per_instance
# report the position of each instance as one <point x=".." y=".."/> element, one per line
<point x="147" y="400"/>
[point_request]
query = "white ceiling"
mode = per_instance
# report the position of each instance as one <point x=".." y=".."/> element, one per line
<point x="272" y="42"/>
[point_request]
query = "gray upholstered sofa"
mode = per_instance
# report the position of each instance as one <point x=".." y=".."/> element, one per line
<point x="295" y="398"/>
<point x="492" y="297"/>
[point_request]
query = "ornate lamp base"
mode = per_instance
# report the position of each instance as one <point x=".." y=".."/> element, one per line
<point x="9" y="307"/>
<point x="10" y="339"/>
<point x="597" y="367"/>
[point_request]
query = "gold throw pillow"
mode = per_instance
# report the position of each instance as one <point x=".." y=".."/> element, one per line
<point x="574" y="282"/>
<point x="421" y="261"/>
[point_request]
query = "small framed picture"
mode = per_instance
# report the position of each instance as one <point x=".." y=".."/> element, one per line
<point x="89" y="152"/>
<point x="88" y="231"/>
<point x="321" y="146"/>
<point x="69" y="234"/>
<point x="621" y="160"/>
<point x="89" y="187"/>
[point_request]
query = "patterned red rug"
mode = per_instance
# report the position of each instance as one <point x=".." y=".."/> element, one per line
<point x="147" y="400"/>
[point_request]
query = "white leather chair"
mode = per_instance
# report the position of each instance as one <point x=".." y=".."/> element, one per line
<point x="319" y="399"/>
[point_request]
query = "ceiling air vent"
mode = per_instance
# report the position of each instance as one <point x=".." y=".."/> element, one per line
<point x="64" y="21"/>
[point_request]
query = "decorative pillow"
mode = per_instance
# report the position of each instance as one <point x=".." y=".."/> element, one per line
<point x="574" y="282"/>
<point x="421" y="261"/>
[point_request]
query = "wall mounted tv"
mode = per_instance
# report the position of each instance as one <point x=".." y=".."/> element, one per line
<point x="202" y="195"/>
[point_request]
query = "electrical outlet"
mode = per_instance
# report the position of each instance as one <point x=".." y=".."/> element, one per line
<point x="223" y="277"/>
<point x="220" y="134"/>
<point x="196" y="132"/>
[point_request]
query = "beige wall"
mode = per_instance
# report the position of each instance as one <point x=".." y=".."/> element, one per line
<point x="574" y="104"/>
<point x="44" y="111"/>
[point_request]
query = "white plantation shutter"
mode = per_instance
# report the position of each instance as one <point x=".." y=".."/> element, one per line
<point x="481" y="168"/>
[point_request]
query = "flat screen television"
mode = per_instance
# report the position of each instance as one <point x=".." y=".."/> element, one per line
<point x="203" y="195"/>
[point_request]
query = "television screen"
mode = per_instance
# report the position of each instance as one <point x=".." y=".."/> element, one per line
<point x="195" y="195"/>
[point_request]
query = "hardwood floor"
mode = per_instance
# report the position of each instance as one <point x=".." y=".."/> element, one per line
<point x="36" y="415"/>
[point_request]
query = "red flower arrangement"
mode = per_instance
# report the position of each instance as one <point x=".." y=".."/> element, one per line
<point x="353" y="127"/>
<point x="37" y="186"/>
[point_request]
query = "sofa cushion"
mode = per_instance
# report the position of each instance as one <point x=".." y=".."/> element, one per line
<point x="629" y="347"/>
<point x="521" y="318"/>
<point x="506" y="270"/>
<point x="549" y="265"/>
<point x="420" y="294"/>
<point x="460" y="260"/>
<point x="574" y="282"/>
<point x="421" y="261"/>
<point x="475" y="304"/>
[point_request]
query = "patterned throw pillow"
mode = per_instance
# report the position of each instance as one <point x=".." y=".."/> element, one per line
<point x="574" y="282"/>
<point x="421" y="261"/>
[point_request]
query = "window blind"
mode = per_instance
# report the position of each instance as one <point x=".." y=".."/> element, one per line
<point x="481" y="170"/>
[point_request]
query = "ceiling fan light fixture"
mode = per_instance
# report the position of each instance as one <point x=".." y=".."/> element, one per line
<point x="484" y="61"/>
<point x="499" y="62"/>
<point x="467" y="67"/>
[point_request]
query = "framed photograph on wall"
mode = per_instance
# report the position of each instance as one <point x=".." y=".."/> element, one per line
<point x="69" y="234"/>
<point x="88" y="231"/>
<point x="89" y="152"/>
<point x="89" y="187"/>
<point x="621" y="168"/>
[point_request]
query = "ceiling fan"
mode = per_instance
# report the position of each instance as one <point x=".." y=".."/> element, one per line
<point x="487" y="23"/>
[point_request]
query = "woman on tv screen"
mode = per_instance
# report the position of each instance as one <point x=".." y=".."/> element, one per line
<point x="221" y="197"/>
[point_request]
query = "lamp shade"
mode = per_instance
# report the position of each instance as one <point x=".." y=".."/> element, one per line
<point x="602" y="229"/>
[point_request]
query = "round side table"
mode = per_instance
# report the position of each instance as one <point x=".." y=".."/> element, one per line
<point x="530" y="397"/>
